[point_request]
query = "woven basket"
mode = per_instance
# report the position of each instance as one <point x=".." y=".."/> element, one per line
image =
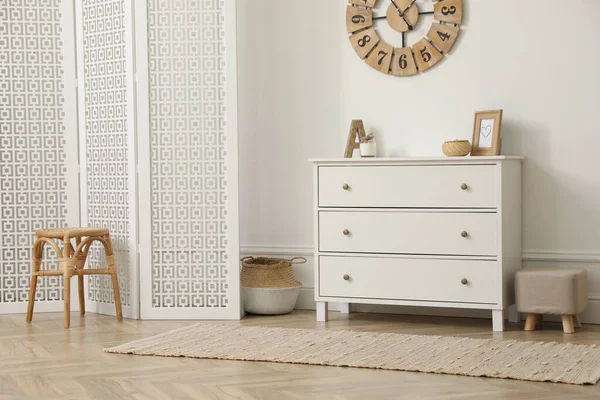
<point x="262" y="272"/>
<point x="456" y="148"/>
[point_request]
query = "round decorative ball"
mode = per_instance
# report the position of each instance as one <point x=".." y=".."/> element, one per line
<point x="456" y="148"/>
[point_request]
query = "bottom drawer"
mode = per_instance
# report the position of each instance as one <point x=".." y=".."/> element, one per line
<point x="461" y="281"/>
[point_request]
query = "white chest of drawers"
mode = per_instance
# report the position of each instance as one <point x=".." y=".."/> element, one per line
<point x="435" y="232"/>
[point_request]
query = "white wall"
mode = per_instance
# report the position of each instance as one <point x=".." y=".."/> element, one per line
<point x="301" y="83"/>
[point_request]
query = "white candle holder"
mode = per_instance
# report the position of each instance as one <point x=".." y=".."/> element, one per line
<point x="368" y="147"/>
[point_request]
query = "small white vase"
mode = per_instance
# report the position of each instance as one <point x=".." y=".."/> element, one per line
<point x="368" y="149"/>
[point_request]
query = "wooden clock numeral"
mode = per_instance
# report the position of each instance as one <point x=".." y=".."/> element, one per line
<point x="426" y="55"/>
<point x="403" y="62"/>
<point x="366" y="3"/>
<point x="448" y="11"/>
<point x="381" y="57"/>
<point x="358" y="18"/>
<point x="364" y="41"/>
<point x="443" y="36"/>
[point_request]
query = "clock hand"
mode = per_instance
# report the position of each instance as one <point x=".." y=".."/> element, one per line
<point x="397" y="8"/>
<point x="408" y="8"/>
<point x="410" y="27"/>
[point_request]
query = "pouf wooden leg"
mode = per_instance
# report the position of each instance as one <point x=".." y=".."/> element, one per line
<point x="567" y="321"/>
<point x="577" y="321"/>
<point x="532" y="322"/>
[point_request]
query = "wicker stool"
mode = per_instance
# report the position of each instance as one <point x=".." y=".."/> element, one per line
<point x="72" y="262"/>
<point x="552" y="291"/>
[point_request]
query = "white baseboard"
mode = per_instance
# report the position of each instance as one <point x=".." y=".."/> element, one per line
<point x="562" y="256"/>
<point x="39" y="306"/>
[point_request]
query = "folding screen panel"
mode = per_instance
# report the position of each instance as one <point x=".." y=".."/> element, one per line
<point x="126" y="127"/>
<point x="107" y="135"/>
<point x="37" y="142"/>
<point x="188" y="220"/>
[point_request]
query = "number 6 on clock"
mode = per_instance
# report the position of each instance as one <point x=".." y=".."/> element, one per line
<point x="403" y="62"/>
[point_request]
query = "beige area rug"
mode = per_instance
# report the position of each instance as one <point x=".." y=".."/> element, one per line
<point x="529" y="361"/>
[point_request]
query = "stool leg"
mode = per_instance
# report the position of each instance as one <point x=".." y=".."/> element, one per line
<point x="115" y="284"/>
<point x="67" y="301"/>
<point x="32" y="289"/>
<point x="110" y="259"/>
<point x="37" y="253"/>
<point x="577" y="321"/>
<point x="67" y="274"/>
<point x="567" y="322"/>
<point x="531" y="322"/>
<point x="80" y="289"/>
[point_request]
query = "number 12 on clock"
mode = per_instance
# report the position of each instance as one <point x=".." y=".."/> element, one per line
<point x="366" y="3"/>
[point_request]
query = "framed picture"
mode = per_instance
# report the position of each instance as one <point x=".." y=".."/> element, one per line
<point x="486" y="133"/>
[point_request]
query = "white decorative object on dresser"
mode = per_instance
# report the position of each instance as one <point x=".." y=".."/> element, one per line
<point x="435" y="232"/>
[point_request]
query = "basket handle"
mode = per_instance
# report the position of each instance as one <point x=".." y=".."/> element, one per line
<point x="247" y="258"/>
<point x="298" y="260"/>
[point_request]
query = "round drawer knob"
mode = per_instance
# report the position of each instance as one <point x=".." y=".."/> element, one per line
<point x="346" y="232"/>
<point x="464" y="186"/>
<point x="346" y="277"/>
<point x="464" y="281"/>
<point x="345" y="186"/>
<point x="464" y="234"/>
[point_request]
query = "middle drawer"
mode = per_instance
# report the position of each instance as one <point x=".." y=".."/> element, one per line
<point x="399" y="232"/>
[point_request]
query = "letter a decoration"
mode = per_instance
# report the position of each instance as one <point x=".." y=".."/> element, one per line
<point x="356" y="129"/>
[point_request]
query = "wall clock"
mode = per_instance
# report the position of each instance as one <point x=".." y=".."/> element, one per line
<point x="403" y="16"/>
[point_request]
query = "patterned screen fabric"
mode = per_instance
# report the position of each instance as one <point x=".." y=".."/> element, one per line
<point x="32" y="139"/>
<point x="107" y="140"/>
<point x="187" y="139"/>
<point x="186" y="73"/>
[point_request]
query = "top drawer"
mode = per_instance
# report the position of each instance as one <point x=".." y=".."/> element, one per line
<point x="419" y="186"/>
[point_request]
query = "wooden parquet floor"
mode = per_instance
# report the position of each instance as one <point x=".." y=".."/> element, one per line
<point x="43" y="360"/>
